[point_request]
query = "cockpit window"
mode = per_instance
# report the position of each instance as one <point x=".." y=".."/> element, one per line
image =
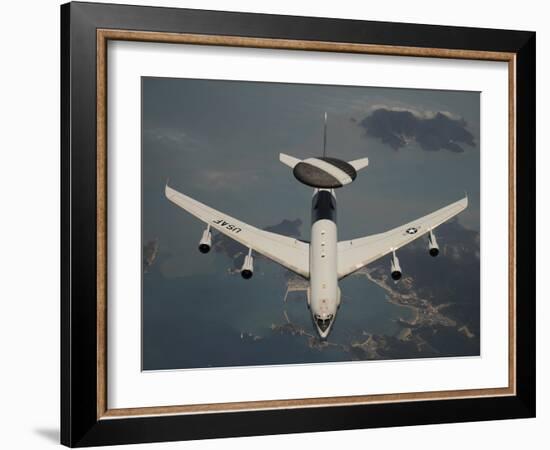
<point x="323" y="324"/>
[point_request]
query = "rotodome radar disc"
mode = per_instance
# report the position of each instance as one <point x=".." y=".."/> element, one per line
<point x="324" y="172"/>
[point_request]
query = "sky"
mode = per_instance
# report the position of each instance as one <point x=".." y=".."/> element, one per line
<point x="219" y="142"/>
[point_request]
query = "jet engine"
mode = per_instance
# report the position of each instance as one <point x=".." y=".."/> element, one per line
<point x="247" y="269"/>
<point x="433" y="248"/>
<point x="206" y="241"/>
<point x="395" y="268"/>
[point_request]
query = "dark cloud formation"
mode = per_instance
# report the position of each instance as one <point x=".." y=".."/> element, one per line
<point x="432" y="132"/>
<point x="150" y="252"/>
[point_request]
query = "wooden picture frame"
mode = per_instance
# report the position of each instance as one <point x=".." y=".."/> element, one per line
<point x="86" y="418"/>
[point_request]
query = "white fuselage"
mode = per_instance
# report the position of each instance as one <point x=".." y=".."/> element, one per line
<point x="323" y="293"/>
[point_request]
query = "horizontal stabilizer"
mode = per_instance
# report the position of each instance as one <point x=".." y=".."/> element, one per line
<point x="288" y="160"/>
<point x="359" y="164"/>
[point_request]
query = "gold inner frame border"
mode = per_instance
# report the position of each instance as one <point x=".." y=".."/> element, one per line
<point x="103" y="36"/>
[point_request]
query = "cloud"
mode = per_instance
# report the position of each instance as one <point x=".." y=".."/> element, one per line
<point x="419" y="114"/>
<point x="432" y="131"/>
<point x="217" y="179"/>
<point x="171" y="137"/>
<point x="150" y="252"/>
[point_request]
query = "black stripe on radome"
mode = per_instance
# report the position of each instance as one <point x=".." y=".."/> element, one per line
<point x="342" y="165"/>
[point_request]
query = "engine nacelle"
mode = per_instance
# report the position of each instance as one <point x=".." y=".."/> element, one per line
<point x="433" y="248"/>
<point x="247" y="269"/>
<point x="395" y="268"/>
<point x="205" y="244"/>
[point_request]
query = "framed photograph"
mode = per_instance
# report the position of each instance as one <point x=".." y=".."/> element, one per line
<point x="276" y="224"/>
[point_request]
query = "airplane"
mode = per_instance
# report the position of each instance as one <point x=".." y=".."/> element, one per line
<point x="324" y="261"/>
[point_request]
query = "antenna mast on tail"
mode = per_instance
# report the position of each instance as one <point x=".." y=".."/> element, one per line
<point x="325" y="137"/>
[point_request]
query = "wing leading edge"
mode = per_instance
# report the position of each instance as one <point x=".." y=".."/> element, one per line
<point x="286" y="251"/>
<point x="357" y="253"/>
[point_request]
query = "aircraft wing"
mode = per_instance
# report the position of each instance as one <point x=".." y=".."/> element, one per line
<point x="288" y="252"/>
<point x="357" y="253"/>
